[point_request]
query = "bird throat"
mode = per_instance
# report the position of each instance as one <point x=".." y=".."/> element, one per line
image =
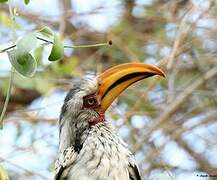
<point x="97" y="120"/>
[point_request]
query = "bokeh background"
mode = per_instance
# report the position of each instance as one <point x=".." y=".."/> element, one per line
<point x="169" y="123"/>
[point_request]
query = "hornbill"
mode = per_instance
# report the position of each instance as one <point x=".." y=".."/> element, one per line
<point x="89" y="148"/>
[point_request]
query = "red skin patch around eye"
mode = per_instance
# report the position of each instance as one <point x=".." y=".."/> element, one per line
<point x="91" y="106"/>
<point x="94" y="106"/>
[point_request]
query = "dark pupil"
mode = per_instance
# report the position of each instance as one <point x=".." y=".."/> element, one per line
<point x="91" y="101"/>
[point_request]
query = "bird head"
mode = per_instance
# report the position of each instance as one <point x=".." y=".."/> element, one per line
<point x="89" y="98"/>
<point x="85" y="104"/>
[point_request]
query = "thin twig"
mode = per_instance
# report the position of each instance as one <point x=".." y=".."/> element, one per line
<point x="8" y="48"/>
<point x="65" y="46"/>
<point x="7" y="98"/>
<point x="88" y="45"/>
<point x="162" y="162"/>
<point x="12" y="16"/>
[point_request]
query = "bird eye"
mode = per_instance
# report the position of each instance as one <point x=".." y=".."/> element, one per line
<point x="91" y="101"/>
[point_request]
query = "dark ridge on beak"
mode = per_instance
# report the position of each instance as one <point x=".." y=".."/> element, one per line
<point x="127" y="77"/>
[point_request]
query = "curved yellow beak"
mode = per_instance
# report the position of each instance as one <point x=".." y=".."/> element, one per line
<point x="116" y="79"/>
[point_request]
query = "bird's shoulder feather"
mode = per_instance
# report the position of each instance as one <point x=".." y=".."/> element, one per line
<point x="65" y="159"/>
<point x="133" y="170"/>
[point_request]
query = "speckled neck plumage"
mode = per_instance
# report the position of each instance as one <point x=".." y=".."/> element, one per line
<point x="103" y="154"/>
<point x="89" y="148"/>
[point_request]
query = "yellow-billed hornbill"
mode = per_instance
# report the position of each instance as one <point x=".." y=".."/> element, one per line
<point x="89" y="149"/>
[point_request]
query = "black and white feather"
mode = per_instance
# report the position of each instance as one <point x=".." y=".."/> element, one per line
<point x="90" y="153"/>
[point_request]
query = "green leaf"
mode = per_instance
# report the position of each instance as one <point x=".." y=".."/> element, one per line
<point x="3" y="1"/>
<point x="26" y="1"/>
<point x="27" y="43"/>
<point x="57" y="51"/>
<point x="38" y="54"/>
<point x="3" y="174"/>
<point x="24" y="63"/>
<point x="46" y="31"/>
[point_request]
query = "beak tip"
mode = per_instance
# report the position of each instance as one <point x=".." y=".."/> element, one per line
<point x="159" y="72"/>
<point x="163" y="74"/>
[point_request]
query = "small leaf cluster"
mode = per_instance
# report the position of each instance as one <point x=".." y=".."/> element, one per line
<point x="21" y="57"/>
<point x="25" y="1"/>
